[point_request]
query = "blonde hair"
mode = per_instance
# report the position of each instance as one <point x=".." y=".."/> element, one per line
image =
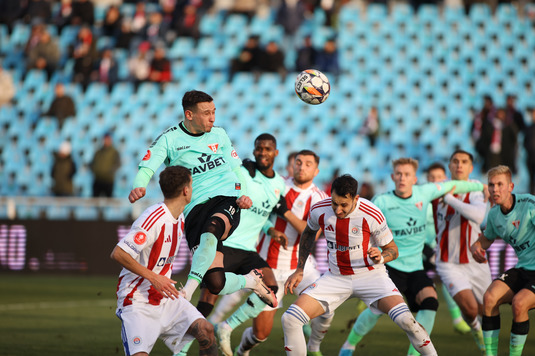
<point x="405" y="160"/>
<point x="499" y="170"/>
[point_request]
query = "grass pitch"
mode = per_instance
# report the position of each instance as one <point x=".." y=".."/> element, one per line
<point x="75" y="315"/>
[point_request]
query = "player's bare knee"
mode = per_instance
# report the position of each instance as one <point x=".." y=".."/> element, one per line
<point x="519" y="306"/>
<point x="489" y="300"/>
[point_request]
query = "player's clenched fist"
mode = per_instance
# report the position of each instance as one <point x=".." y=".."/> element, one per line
<point x="136" y="194"/>
<point x="244" y="202"/>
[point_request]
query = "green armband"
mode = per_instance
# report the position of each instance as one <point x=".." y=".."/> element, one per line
<point x="143" y="177"/>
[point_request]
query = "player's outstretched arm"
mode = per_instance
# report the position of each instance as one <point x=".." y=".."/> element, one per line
<point x="479" y="247"/>
<point x="136" y="194"/>
<point x="161" y="283"/>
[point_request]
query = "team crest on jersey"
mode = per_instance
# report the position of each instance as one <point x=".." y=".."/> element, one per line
<point x="140" y="238"/>
<point x="355" y="230"/>
<point x="147" y="156"/>
<point x="516" y="223"/>
<point x="234" y="154"/>
<point x="419" y="205"/>
<point x="213" y="147"/>
<point x="137" y="340"/>
<point x="300" y="204"/>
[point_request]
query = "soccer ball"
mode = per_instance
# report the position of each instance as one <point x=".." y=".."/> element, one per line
<point x="312" y="86"/>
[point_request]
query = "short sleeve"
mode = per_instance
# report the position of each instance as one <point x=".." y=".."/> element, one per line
<point x="156" y="154"/>
<point x="490" y="231"/>
<point x="229" y="152"/>
<point x="134" y="242"/>
<point x="313" y="219"/>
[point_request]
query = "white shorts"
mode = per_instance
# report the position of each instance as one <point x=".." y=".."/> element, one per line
<point x="310" y="275"/>
<point x="370" y="286"/>
<point x="457" y="277"/>
<point x="143" y="324"/>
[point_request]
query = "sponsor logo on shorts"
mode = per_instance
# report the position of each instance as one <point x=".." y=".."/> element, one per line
<point x="137" y="340"/>
<point x="147" y="156"/>
<point x="503" y="277"/>
<point x="140" y="238"/>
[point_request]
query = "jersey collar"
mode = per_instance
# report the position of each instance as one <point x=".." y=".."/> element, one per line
<point x="181" y="125"/>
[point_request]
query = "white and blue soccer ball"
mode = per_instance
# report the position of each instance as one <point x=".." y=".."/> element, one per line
<point x="312" y="86"/>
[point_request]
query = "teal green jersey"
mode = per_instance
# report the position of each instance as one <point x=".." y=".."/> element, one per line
<point x="265" y="193"/>
<point x="407" y="218"/>
<point x="430" y="231"/>
<point x="517" y="228"/>
<point x="209" y="156"/>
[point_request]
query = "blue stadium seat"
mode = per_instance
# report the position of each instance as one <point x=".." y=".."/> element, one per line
<point x="210" y="24"/>
<point x="85" y="213"/>
<point x="428" y="13"/>
<point x="480" y="12"/>
<point x="376" y="12"/>
<point x="56" y="212"/>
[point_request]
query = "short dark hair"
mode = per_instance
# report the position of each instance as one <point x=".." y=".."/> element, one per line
<point x="173" y="179"/>
<point x="471" y="156"/>
<point x="266" y="137"/>
<point x="309" y="153"/>
<point x="291" y="156"/>
<point x="436" y="165"/>
<point x="345" y="185"/>
<point x="193" y="97"/>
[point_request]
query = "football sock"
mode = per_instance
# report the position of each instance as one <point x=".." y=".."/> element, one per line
<point x="248" y="341"/>
<point x="293" y="320"/>
<point x="426" y="317"/>
<point x="365" y="322"/>
<point x="202" y="260"/>
<point x="402" y="316"/>
<point x="519" y="334"/>
<point x="226" y="304"/>
<point x="319" y="326"/>
<point x="477" y="333"/>
<point x="491" y="333"/>
<point x="248" y="310"/>
<point x="233" y="283"/>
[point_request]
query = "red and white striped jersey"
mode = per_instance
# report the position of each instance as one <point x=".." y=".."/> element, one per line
<point x="349" y="239"/>
<point x="153" y="241"/>
<point x="457" y="225"/>
<point x="299" y="202"/>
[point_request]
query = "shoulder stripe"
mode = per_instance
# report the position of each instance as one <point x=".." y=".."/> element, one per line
<point x="155" y="215"/>
<point x="376" y="214"/>
<point x="321" y="204"/>
<point x="156" y="219"/>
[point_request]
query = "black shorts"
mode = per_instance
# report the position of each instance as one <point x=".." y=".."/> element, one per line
<point x="410" y="283"/>
<point x="199" y="215"/>
<point x="240" y="261"/>
<point x="518" y="278"/>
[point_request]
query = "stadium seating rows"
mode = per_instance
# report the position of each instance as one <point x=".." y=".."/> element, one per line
<point x="424" y="71"/>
